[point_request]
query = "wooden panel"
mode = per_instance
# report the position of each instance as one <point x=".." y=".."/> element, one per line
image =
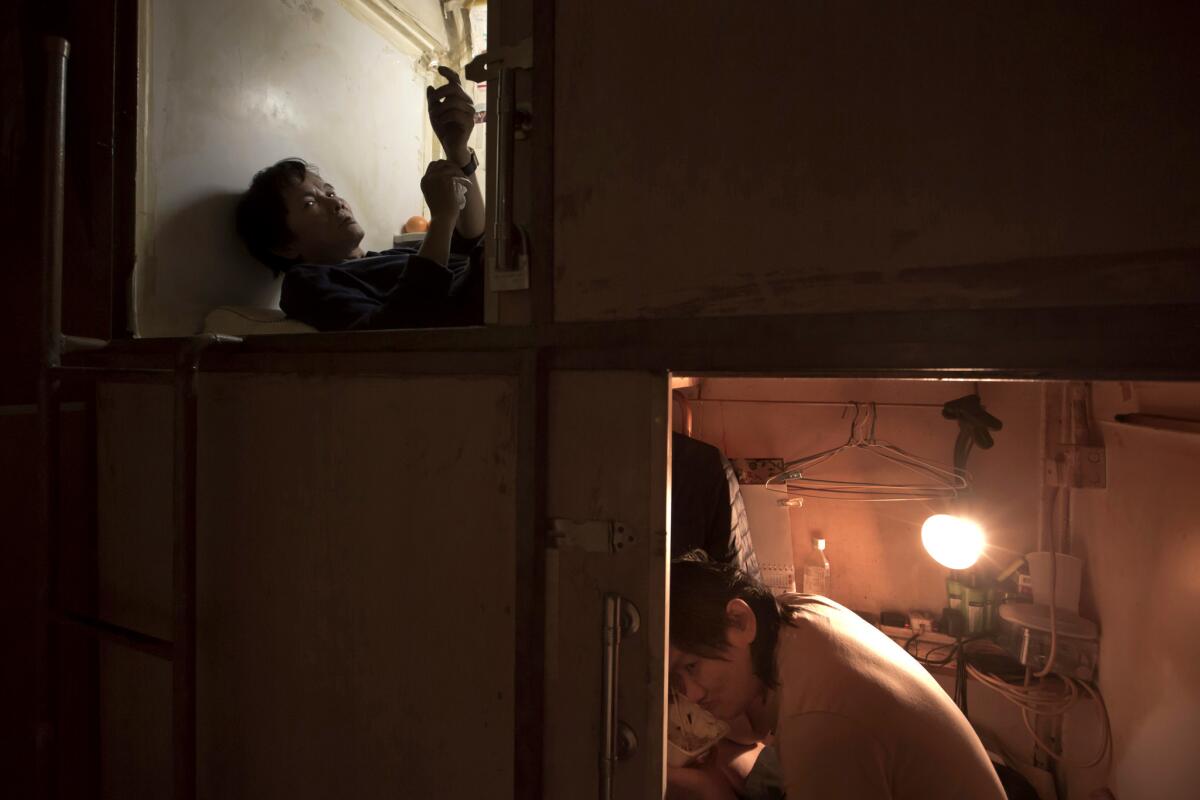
<point x="19" y="557"/>
<point x="607" y="460"/>
<point x="134" y="531"/>
<point x="134" y="452"/>
<point x="356" y="586"/>
<point x="69" y="675"/>
<point x="23" y="543"/>
<point x="135" y="725"/>
<point x="1117" y="342"/>
<point x="1087" y="342"/>
<point x="810" y="156"/>
<point x="133" y="575"/>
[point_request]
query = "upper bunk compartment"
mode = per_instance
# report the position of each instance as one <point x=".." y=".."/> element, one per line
<point x="848" y="157"/>
<point x="230" y="88"/>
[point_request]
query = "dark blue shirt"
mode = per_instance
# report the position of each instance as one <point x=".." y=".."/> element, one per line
<point x="393" y="289"/>
<point x="707" y="511"/>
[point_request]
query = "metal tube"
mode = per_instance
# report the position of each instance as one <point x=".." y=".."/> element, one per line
<point x="53" y="165"/>
<point x="608" y="693"/>
<point x="53" y="182"/>
<point x="550" y="655"/>
<point x="501" y="208"/>
<point x="829" y="403"/>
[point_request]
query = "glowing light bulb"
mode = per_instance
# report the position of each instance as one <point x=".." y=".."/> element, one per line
<point x="953" y="542"/>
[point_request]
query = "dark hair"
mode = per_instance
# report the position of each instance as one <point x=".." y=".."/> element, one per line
<point x="261" y="216"/>
<point x="700" y="591"/>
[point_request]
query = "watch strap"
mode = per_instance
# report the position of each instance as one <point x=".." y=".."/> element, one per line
<point x="469" y="168"/>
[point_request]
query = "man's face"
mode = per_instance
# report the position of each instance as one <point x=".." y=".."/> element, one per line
<point x="323" y="227"/>
<point x="725" y="687"/>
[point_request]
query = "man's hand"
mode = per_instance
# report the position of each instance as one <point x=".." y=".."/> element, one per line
<point x="446" y="192"/>
<point x="445" y="189"/>
<point x="452" y="115"/>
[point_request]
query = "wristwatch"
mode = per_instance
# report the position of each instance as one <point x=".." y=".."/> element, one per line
<point x="469" y="168"/>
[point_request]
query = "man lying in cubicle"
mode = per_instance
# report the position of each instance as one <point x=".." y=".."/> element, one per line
<point x="292" y="220"/>
<point x="851" y="715"/>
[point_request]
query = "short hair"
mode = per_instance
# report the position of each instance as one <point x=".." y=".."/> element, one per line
<point x="261" y="216"/>
<point x="700" y="590"/>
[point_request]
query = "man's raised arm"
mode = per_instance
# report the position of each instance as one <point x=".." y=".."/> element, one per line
<point x="452" y="116"/>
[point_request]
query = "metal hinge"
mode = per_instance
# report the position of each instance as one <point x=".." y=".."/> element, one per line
<point x="592" y="536"/>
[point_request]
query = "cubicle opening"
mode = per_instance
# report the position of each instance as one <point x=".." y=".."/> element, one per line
<point x="229" y="88"/>
<point x="838" y="479"/>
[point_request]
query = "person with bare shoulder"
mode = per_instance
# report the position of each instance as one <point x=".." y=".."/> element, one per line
<point x="851" y="714"/>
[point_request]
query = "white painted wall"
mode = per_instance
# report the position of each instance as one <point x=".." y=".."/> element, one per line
<point x="1141" y="540"/>
<point x="235" y="85"/>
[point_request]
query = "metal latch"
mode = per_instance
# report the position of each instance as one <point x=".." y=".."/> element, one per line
<point x="498" y="68"/>
<point x="515" y="56"/>
<point x="592" y="536"/>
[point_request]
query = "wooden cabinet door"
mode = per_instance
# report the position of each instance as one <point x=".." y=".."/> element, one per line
<point x="606" y="475"/>
<point x="356" y="581"/>
<point x="357" y="602"/>
<point x="718" y="159"/>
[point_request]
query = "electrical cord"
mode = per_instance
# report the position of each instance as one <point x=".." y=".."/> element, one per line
<point x="1048" y="698"/>
<point x="960" y="679"/>
<point x="1059" y="499"/>
<point x="1105" y="745"/>
<point x="1051" y="696"/>
<point x="928" y="659"/>
<point x="953" y="647"/>
<point x="956" y="654"/>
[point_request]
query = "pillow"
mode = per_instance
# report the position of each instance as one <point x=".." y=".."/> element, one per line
<point x="251" y="321"/>
<point x="401" y="239"/>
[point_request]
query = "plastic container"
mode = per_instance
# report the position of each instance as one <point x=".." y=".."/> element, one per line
<point x="816" y="569"/>
<point x="975" y="605"/>
<point x="691" y="732"/>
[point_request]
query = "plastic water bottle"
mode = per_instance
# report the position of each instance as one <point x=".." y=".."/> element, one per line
<point x="816" y="569"/>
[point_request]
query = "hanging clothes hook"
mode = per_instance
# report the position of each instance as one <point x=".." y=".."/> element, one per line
<point x="853" y="438"/>
<point x="974" y="424"/>
<point x="921" y="478"/>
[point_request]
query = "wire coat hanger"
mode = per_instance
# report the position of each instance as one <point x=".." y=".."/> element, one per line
<point x="935" y="480"/>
